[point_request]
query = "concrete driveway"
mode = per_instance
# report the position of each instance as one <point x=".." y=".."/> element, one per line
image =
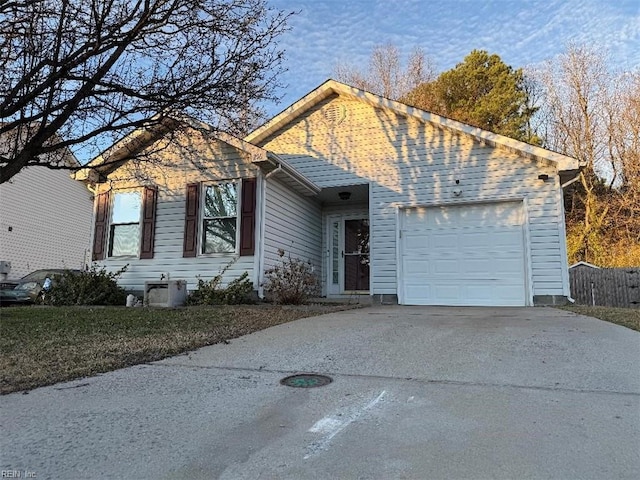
<point x="417" y="392"/>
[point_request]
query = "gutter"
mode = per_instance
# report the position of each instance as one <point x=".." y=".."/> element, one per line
<point x="284" y="167"/>
<point x="573" y="180"/>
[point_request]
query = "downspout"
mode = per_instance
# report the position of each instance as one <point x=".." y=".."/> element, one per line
<point x="562" y="187"/>
<point x="261" y="228"/>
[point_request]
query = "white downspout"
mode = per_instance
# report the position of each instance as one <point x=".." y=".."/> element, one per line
<point x="261" y="230"/>
<point x="564" y="230"/>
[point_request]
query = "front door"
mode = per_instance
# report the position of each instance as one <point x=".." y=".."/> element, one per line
<point x="348" y="255"/>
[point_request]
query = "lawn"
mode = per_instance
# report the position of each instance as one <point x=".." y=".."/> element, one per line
<point x="45" y="345"/>
<point x="627" y="317"/>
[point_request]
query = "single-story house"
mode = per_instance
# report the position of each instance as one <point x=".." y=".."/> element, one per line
<point x="383" y="199"/>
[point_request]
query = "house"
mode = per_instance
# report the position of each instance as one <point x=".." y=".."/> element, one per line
<point x="383" y="199"/>
<point x="45" y="220"/>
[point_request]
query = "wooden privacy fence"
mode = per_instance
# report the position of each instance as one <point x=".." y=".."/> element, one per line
<point x="608" y="287"/>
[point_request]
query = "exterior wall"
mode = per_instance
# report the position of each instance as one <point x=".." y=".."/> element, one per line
<point x="45" y="221"/>
<point x="343" y="141"/>
<point x="187" y="158"/>
<point x="293" y="223"/>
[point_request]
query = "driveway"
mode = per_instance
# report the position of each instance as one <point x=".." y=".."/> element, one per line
<point x="417" y="392"/>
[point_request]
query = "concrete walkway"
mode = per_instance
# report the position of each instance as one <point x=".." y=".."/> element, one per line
<point x="418" y="392"/>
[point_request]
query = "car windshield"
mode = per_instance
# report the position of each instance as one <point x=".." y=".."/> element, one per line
<point x="40" y="275"/>
<point x="36" y="276"/>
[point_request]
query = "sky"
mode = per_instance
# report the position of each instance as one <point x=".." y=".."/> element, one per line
<point x="522" y="32"/>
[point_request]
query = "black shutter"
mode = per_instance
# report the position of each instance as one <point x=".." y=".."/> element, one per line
<point x="248" y="217"/>
<point x="149" y="199"/>
<point x="100" y="231"/>
<point x="190" y="247"/>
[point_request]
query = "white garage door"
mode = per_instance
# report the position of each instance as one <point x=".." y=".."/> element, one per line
<point x="463" y="255"/>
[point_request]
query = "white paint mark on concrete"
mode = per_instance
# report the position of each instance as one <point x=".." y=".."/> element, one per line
<point x="331" y="426"/>
<point x="326" y="425"/>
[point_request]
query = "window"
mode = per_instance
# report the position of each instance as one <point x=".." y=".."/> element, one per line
<point x="124" y="233"/>
<point x="220" y="218"/>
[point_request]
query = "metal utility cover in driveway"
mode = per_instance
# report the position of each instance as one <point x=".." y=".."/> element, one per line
<point x="306" y="380"/>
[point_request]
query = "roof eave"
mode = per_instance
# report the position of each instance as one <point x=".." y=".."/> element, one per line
<point x="303" y="185"/>
<point x="562" y="162"/>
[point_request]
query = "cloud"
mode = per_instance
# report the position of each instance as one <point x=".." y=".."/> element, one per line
<point x="522" y="33"/>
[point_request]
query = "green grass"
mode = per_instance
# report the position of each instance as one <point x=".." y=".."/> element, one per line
<point x="45" y="345"/>
<point x="627" y="317"/>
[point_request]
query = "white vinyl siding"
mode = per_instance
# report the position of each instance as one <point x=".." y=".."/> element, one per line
<point x="411" y="163"/>
<point x="293" y="223"/>
<point x="218" y="161"/>
<point x="45" y="221"/>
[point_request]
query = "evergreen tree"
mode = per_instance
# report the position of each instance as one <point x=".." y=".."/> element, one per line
<point x="482" y="91"/>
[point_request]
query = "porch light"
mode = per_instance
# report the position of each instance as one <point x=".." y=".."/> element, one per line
<point x="543" y="176"/>
<point x="344" y="195"/>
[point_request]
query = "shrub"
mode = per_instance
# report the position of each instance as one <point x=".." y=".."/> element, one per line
<point x="210" y="292"/>
<point x="292" y="282"/>
<point x="90" y="287"/>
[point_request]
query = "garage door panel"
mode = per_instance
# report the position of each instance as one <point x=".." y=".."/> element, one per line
<point x="448" y="292"/>
<point x="480" y="294"/>
<point x="477" y="266"/>
<point x="439" y="240"/>
<point x="417" y="267"/>
<point x="417" y="292"/>
<point x="464" y="255"/>
<point x="413" y="242"/>
<point x="445" y="267"/>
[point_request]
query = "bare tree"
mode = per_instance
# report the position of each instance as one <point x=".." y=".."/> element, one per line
<point x="590" y="113"/>
<point x="80" y="74"/>
<point x="623" y="152"/>
<point x="385" y="74"/>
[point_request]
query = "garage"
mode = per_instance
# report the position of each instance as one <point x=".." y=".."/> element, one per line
<point x="464" y="255"/>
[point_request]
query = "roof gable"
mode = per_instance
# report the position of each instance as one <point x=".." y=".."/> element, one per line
<point x="134" y="143"/>
<point x="332" y="87"/>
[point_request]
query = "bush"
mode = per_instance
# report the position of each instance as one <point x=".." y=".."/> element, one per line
<point x="292" y="282"/>
<point x="210" y="292"/>
<point x="90" y="287"/>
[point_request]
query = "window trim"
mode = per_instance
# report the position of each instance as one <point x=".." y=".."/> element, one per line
<point x="202" y="218"/>
<point x="110" y="223"/>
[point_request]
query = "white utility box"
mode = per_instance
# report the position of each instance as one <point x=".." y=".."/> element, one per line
<point x="165" y="293"/>
<point x="5" y="267"/>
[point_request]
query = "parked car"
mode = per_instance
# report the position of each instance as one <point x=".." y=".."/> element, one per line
<point x="29" y="287"/>
<point x="11" y="296"/>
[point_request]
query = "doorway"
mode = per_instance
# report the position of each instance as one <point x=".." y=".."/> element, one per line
<point x="348" y="259"/>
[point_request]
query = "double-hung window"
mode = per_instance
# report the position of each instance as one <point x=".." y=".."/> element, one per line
<point x="220" y="218"/>
<point x="124" y="232"/>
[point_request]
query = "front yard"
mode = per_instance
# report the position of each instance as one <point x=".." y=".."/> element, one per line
<point x="45" y="345"/>
<point x="627" y="317"/>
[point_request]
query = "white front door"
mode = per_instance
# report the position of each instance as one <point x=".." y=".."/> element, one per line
<point x="348" y="259"/>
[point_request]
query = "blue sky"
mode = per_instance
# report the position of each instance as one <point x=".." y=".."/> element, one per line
<point x="522" y="32"/>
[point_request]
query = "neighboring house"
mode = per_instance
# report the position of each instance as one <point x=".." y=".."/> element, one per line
<point x="383" y="199"/>
<point x="45" y="220"/>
